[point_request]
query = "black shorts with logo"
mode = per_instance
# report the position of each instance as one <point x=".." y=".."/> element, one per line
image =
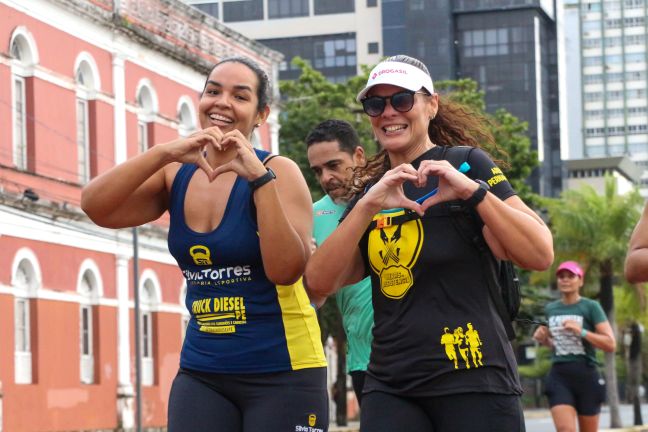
<point x="269" y="402"/>
<point x="578" y="384"/>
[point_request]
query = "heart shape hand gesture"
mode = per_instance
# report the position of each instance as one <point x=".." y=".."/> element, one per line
<point x="388" y="192"/>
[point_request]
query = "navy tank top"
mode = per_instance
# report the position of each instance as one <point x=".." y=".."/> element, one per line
<point x="241" y="322"/>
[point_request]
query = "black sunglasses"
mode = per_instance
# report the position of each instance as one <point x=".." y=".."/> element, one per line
<point x="403" y="101"/>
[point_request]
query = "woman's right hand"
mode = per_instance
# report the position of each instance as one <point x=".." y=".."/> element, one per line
<point x="541" y="335"/>
<point x="388" y="192"/>
<point x="191" y="149"/>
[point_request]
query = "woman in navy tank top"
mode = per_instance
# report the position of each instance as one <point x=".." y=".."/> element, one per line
<point x="240" y="228"/>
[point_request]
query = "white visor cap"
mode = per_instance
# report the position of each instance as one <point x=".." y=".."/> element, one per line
<point x="399" y="74"/>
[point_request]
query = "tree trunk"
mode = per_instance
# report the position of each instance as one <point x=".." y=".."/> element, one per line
<point x="607" y="302"/>
<point x="634" y="371"/>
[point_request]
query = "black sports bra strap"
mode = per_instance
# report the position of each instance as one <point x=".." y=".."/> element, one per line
<point x="269" y="158"/>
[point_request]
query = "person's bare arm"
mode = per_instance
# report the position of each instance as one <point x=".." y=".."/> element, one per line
<point x="285" y="220"/>
<point x="515" y="232"/>
<point x="636" y="263"/>
<point x="134" y="192"/>
<point x="602" y="337"/>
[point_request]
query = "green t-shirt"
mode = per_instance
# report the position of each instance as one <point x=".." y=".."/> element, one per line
<point x="354" y="301"/>
<point x="568" y="346"/>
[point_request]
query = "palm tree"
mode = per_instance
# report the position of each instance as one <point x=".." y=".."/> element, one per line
<point x="595" y="229"/>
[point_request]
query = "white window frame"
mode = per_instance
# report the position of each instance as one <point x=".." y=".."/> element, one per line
<point x="25" y="281"/>
<point x="19" y="121"/>
<point x="23" y="354"/>
<point x="86" y="342"/>
<point x="147" y="103"/>
<point x="186" y="116"/>
<point x="147" y="348"/>
<point x="149" y="295"/>
<point x="89" y="289"/>
<point x="142" y="136"/>
<point x="83" y="141"/>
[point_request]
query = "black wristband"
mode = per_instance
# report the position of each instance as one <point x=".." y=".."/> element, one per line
<point x="479" y="195"/>
<point x="260" y="181"/>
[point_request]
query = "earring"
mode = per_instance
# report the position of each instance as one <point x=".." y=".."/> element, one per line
<point x="258" y="125"/>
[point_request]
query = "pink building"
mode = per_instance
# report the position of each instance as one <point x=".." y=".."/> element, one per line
<point x="86" y="84"/>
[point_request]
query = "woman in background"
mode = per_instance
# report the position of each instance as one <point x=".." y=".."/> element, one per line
<point x="576" y="326"/>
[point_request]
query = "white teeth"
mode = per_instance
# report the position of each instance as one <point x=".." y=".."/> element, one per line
<point x="218" y="117"/>
<point x="394" y="128"/>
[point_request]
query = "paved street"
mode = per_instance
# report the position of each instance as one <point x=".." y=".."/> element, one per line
<point x="540" y="420"/>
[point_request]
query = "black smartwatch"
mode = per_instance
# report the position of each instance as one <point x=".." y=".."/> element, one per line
<point x="260" y="181"/>
<point x="479" y="195"/>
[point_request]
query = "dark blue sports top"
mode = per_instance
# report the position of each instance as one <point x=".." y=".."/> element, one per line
<point x="241" y="322"/>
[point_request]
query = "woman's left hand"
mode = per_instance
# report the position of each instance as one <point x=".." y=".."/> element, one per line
<point x="452" y="183"/>
<point x="246" y="164"/>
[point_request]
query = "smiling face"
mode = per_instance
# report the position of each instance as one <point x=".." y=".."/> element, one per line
<point x="230" y="99"/>
<point x="333" y="167"/>
<point x="406" y="132"/>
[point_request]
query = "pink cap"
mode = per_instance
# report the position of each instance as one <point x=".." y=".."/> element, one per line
<point x="571" y="266"/>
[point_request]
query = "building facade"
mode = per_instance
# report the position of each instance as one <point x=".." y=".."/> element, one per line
<point x="603" y="59"/>
<point x="507" y="46"/>
<point x="335" y="36"/>
<point x="84" y="85"/>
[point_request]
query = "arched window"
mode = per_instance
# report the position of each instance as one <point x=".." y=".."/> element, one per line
<point x="23" y="58"/>
<point x="25" y="282"/>
<point x="89" y="289"/>
<point x="149" y="299"/>
<point x="86" y="77"/>
<point x="186" y="117"/>
<point x="147" y="109"/>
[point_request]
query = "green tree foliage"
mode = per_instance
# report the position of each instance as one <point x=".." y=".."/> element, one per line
<point x="513" y="146"/>
<point x="594" y="229"/>
<point x="311" y="99"/>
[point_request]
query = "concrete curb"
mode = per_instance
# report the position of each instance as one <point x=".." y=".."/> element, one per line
<point x="643" y="428"/>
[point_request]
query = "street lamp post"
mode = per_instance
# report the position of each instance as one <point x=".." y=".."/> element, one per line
<point x="138" y="348"/>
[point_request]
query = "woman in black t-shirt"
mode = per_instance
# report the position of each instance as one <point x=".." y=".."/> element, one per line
<point x="441" y="360"/>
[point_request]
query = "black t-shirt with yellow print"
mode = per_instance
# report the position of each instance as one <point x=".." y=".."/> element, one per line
<point x="436" y="330"/>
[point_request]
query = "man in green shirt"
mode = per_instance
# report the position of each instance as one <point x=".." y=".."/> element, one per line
<point x="333" y="150"/>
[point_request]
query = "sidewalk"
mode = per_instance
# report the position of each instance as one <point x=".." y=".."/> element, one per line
<point x="528" y="414"/>
<point x="541" y="413"/>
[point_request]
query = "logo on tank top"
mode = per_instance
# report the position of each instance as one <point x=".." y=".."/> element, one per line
<point x="467" y="344"/>
<point x="393" y="251"/>
<point x="200" y="254"/>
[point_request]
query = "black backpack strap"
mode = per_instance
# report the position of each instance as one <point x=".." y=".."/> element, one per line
<point x="387" y="220"/>
<point x="469" y="225"/>
<point x="466" y="225"/>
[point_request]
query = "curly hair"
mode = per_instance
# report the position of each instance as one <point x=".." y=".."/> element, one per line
<point x="454" y="124"/>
